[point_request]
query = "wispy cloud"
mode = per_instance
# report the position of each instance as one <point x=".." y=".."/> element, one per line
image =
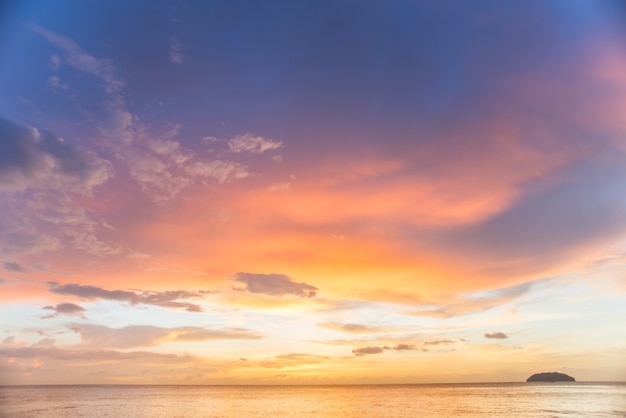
<point x="478" y="302"/>
<point x="80" y="60"/>
<point x="166" y="299"/>
<point x="218" y="170"/>
<point x="159" y="164"/>
<point x="56" y="84"/>
<point x="252" y="143"/>
<point x="176" y="51"/>
<point x="275" y="285"/>
<point x="291" y="360"/>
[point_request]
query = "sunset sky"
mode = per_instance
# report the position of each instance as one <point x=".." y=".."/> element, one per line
<point x="312" y="192"/>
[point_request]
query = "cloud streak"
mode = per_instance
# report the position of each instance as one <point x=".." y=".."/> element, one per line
<point x="496" y="335"/>
<point x="478" y="302"/>
<point x="165" y="299"/>
<point x="275" y="285"/>
<point x="351" y="328"/>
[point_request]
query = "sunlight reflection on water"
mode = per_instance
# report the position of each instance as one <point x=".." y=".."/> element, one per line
<point x="453" y="400"/>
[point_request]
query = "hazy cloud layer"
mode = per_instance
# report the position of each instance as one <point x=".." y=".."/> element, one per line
<point x="275" y="285"/>
<point x="14" y="266"/>
<point x="350" y="328"/>
<point x="74" y="354"/>
<point x="166" y="299"/>
<point x="146" y="335"/>
<point x="285" y="361"/>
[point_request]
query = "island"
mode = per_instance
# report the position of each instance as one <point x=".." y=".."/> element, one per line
<point x="550" y="377"/>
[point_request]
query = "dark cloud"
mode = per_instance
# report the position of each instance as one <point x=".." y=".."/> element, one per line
<point x="497" y="335"/>
<point x="166" y="299"/>
<point x="367" y="350"/>
<point x="146" y="335"/>
<point x="275" y="285"/>
<point x="350" y="328"/>
<point x="33" y="158"/>
<point x="14" y="266"/>
<point x="404" y="347"/>
<point x="65" y="309"/>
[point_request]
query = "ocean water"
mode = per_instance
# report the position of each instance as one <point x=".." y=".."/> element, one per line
<point x="433" y="400"/>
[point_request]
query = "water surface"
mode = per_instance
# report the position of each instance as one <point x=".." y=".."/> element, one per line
<point x="432" y="400"/>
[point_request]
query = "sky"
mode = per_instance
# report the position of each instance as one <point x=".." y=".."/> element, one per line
<point x="312" y="192"/>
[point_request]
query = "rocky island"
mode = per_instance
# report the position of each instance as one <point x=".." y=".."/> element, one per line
<point x="550" y="377"/>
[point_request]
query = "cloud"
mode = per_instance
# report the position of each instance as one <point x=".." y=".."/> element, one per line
<point x="65" y="309"/>
<point x="497" y="335"/>
<point x="377" y="350"/>
<point x="14" y="266"/>
<point x="275" y="285"/>
<point x="30" y="158"/>
<point x="79" y="59"/>
<point x="24" y="239"/>
<point x="406" y="347"/>
<point x="176" y="51"/>
<point x="171" y="149"/>
<point x="161" y="166"/>
<point x="91" y="244"/>
<point x="54" y="62"/>
<point x="147" y="335"/>
<point x="46" y="342"/>
<point x="478" y="301"/>
<point x="126" y="136"/>
<point x="166" y="299"/>
<point x="292" y="360"/>
<point x="252" y="143"/>
<point x="82" y="354"/>
<point x="218" y="170"/>
<point x="350" y="328"/>
<point x="56" y="83"/>
<point x="367" y="350"/>
<point x="439" y="342"/>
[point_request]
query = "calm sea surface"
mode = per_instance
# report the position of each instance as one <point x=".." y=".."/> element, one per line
<point x="450" y="400"/>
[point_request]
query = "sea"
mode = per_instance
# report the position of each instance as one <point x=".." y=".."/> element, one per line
<point x="576" y="399"/>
